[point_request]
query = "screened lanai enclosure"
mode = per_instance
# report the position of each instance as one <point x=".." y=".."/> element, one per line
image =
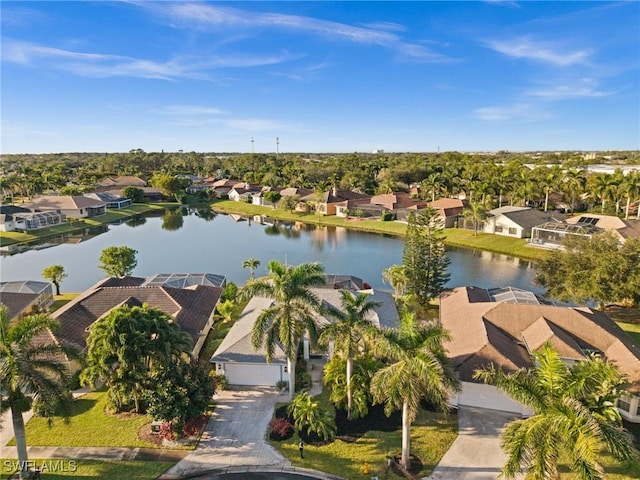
<point x="552" y="234"/>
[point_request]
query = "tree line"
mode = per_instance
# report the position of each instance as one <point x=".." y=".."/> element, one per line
<point x="498" y="178"/>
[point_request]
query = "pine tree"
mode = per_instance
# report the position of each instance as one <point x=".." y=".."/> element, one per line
<point x="424" y="256"/>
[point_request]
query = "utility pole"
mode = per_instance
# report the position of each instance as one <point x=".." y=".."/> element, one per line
<point x="277" y="146"/>
<point x="252" y="145"/>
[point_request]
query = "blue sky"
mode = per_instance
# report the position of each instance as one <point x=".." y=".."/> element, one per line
<point x="320" y="76"/>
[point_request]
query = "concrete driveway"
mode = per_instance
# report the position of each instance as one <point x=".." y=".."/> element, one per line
<point x="235" y="434"/>
<point x="476" y="453"/>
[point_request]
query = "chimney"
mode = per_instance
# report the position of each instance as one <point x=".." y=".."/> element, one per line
<point x="334" y="191"/>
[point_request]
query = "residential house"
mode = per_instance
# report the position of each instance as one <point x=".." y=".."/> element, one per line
<point x="77" y="206"/>
<point x="505" y="326"/>
<point x="299" y="193"/>
<point x="450" y="210"/>
<point x="514" y="221"/>
<point x="326" y="203"/>
<point x="257" y="198"/>
<point x="20" y="218"/>
<point x="23" y="297"/>
<point x="112" y="200"/>
<point x="118" y="183"/>
<point x="221" y="188"/>
<point x="242" y="192"/>
<point x="552" y="234"/>
<point x="189" y="298"/>
<point x="242" y="365"/>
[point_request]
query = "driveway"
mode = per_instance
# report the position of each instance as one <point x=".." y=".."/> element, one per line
<point x="235" y="434"/>
<point x="476" y="453"/>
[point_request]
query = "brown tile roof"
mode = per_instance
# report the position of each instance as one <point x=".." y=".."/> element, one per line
<point x="16" y="303"/>
<point x="505" y="333"/>
<point x="449" y="207"/>
<point x="191" y="307"/>
<point x="336" y="196"/>
<point x="290" y="191"/>
<point x="393" y="201"/>
<point x="64" y="202"/>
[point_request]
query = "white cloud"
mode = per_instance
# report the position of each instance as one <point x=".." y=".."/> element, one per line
<point x="188" y="110"/>
<point x="106" y="65"/>
<point x="520" y="112"/>
<point x="380" y="34"/>
<point x="560" y="92"/>
<point x="547" y="52"/>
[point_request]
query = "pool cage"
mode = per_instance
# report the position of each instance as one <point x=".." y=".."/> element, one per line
<point x="552" y="234"/>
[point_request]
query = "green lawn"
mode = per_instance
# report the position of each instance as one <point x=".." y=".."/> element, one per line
<point x="89" y="426"/>
<point x="9" y="238"/>
<point x="614" y="469"/>
<point x="453" y="236"/>
<point x="61" y="300"/>
<point x="95" y="469"/>
<point x="633" y="329"/>
<point x="431" y="436"/>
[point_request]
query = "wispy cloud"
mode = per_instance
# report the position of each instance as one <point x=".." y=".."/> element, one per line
<point x="560" y="92"/>
<point x="106" y="65"/>
<point x="21" y="16"/>
<point x="385" y="35"/>
<point x="503" y="3"/>
<point x="520" y="112"/>
<point x="525" y="47"/>
<point x="188" y="110"/>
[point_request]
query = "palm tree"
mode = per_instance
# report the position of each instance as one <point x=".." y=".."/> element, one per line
<point x="576" y="182"/>
<point x="29" y="370"/>
<point x="292" y="313"/>
<point x="251" y="264"/>
<point x="350" y="331"/>
<point x="575" y="415"/>
<point x="476" y="212"/>
<point x="420" y="369"/>
<point x="396" y="276"/>
<point x="631" y="188"/>
<point x="549" y="181"/>
<point x="55" y="274"/>
<point x="308" y="414"/>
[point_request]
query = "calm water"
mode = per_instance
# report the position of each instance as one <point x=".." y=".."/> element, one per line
<point x="191" y="244"/>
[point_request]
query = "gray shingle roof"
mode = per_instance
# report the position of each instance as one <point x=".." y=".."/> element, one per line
<point x="236" y="346"/>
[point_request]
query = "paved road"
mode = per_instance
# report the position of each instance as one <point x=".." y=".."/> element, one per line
<point x="235" y="434"/>
<point x="476" y="453"/>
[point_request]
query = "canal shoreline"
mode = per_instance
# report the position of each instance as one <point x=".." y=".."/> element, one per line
<point x="455" y="237"/>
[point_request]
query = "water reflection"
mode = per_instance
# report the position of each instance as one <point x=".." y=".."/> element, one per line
<point x="136" y="221"/>
<point x="221" y="246"/>
<point x="172" y="220"/>
<point x="66" y="238"/>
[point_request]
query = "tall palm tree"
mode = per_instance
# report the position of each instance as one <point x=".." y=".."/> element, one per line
<point x="350" y="332"/>
<point x="575" y="415"/>
<point x="575" y="182"/>
<point x="292" y="313"/>
<point x="477" y="213"/>
<point x="631" y="188"/>
<point x="30" y="369"/>
<point x="550" y="179"/>
<point x="396" y="276"/>
<point x="251" y="264"/>
<point x="419" y="369"/>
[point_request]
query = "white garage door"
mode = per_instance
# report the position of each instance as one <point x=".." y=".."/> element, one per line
<point x="487" y="396"/>
<point x="253" y="374"/>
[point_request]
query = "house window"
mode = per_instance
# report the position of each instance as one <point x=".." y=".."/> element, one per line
<point x="624" y="404"/>
<point x="638" y="410"/>
<point x="513" y="231"/>
<point x="498" y="228"/>
<point x="81" y="211"/>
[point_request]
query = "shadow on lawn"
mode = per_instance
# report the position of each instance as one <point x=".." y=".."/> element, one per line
<point x="83" y="405"/>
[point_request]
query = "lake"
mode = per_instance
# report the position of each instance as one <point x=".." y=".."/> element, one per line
<point x="193" y="243"/>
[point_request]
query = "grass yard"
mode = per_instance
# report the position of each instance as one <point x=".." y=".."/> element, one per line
<point x="633" y="330"/>
<point x="431" y="436"/>
<point x="95" y="469"/>
<point x="89" y="426"/>
<point x="61" y="300"/>
<point x="459" y="237"/>
<point x="614" y="469"/>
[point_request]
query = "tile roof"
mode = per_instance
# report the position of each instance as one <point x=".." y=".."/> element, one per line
<point x="393" y="201"/>
<point x="529" y="218"/>
<point x="505" y="333"/>
<point x="64" y="202"/>
<point x="16" y="303"/>
<point x="191" y="307"/>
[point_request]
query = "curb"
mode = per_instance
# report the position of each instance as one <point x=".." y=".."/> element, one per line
<point x="203" y="474"/>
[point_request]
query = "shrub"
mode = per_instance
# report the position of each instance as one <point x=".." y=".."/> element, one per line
<point x="282" y="384"/>
<point x="387" y="216"/>
<point x="303" y="380"/>
<point x="193" y="426"/>
<point x="220" y="382"/>
<point x="166" y="431"/>
<point x="281" y="429"/>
